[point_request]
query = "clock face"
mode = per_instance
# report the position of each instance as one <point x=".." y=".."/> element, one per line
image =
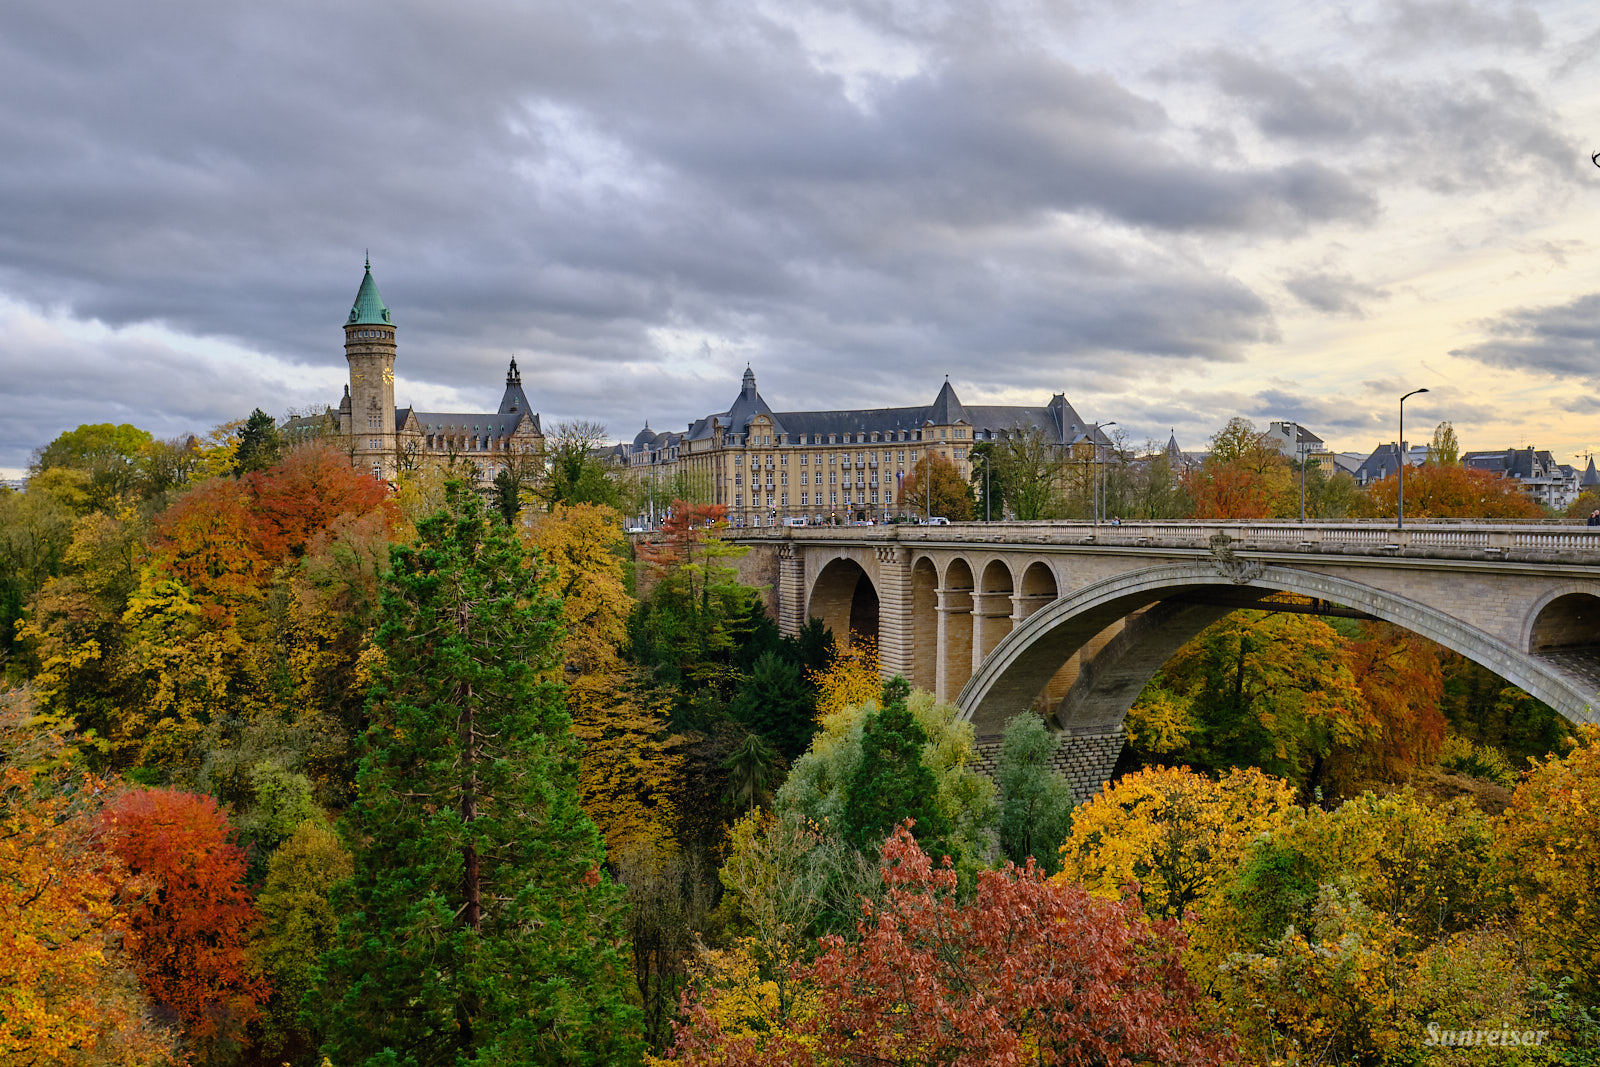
<point x="388" y="377"/>
<point x="356" y="377"/>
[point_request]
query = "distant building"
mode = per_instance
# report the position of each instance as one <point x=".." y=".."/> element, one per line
<point x="19" y="484"/>
<point x="825" y="466"/>
<point x="1555" y="485"/>
<point x="1385" y="461"/>
<point x="386" y="439"/>
<point x="1294" y="441"/>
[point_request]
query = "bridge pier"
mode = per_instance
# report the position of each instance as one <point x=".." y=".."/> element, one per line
<point x="897" y="622"/>
<point x="991" y="621"/>
<point x="954" y="660"/>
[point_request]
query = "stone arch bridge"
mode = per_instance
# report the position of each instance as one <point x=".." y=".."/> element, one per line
<point x="1071" y="620"/>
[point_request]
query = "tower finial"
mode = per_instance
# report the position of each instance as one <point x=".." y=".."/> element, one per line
<point x="369" y="259"/>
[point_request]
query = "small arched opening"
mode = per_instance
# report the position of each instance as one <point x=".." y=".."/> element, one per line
<point x="925" y="620"/>
<point x="991" y="609"/>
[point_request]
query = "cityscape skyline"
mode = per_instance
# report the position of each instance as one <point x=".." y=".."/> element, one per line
<point x="1173" y="216"/>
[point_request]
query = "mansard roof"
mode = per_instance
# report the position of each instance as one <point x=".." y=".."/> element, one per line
<point x="497" y="424"/>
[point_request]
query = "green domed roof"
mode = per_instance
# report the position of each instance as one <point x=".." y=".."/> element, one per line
<point x="369" y="308"/>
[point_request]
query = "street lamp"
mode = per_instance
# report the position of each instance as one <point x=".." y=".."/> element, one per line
<point x="1400" y="448"/>
<point x="1094" y="476"/>
<point x="1300" y="446"/>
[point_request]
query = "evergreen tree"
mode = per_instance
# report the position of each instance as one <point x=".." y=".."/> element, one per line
<point x="259" y="444"/>
<point x="478" y="927"/>
<point x="777" y="702"/>
<point x="891" y="783"/>
<point x="1035" y="800"/>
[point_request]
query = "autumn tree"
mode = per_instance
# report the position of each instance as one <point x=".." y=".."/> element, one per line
<point x="935" y="488"/>
<point x="478" y="926"/>
<point x="574" y="472"/>
<point x="1035" y="800"/>
<point x="1451" y="491"/>
<point x="1172" y="831"/>
<point x="584" y="547"/>
<point x="1243" y="477"/>
<point x="1445" y="449"/>
<point x="1551" y="840"/>
<point x="1029" y="969"/>
<point x="68" y="994"/>
<point x="191" y="917"/>
<point x="1028" y="467"/>
<point x="109" y="458"/>
<point x="307" y="492"/>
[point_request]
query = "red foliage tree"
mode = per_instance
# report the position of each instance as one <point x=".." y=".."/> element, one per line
<point x="1401" y="675"/>
<point x="684" y="530"/>
<point x="1029" y="970"/>
<point x="306" y="493"/>
<point x="189" y="912"/>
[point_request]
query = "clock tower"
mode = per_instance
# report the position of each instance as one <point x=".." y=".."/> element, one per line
<point x="369" y="348"/>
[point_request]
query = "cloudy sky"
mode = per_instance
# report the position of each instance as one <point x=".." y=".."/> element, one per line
<point x="1173" y="212"/>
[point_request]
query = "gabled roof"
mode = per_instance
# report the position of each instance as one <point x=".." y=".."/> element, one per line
<point x="369" y="308"/>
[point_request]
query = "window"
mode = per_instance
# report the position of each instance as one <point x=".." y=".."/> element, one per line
<point x="941" y="435"/>
<point x="372" y="422"/>
<point x="784" y="500"/>
<point x="738" y="479"/>
<point x="833" y="498"/>
<point x="783" y="479"/>
<point x="377" y="471"/>
<point x="900" y="457"/>
<point x="961" y="455"/>
<point x="833" y="477"/>
<point x="802" y="459"/>
<point x="805" y="499"/>
<point x="374" y="442"/>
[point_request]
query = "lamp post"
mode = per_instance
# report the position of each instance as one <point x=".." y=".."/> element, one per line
<point x="1400" y="449"/>
<point x="1094" y="476"/>
<point x="1300" y="446"/>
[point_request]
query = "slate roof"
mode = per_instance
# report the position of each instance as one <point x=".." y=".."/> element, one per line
<point x="1590" y="477"/>
<point x="515" y="399"/>
<point x="1058" y="419"/>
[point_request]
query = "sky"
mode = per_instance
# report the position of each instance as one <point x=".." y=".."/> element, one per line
<point x="1173" y="212"/>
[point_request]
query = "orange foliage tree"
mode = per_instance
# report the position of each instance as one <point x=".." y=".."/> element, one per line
<point x="1244" y="477"/>
<point x="207" y="540"/>
<point x="1029" y="970"/>
<point x="1448" y="491"/>
<point x="1401" y="678"/>
<point x="65" y="993"/>
<point x="190" y="914"/>
<point x="304" y="494"/>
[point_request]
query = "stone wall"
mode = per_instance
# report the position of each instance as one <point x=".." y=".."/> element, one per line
<point x="1086" y="760"/>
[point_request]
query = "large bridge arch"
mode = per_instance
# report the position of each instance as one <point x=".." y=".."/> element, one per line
<point x="844" y="597"/>
<point x="1013" y="675"/>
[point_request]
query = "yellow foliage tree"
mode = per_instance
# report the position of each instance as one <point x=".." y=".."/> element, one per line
<point x="585" y="545"/>
<point x="632" y="766"/>
<point x="1551" y="841"/>
<point x="850" y="680"/>
<point x="1172" y="831"/>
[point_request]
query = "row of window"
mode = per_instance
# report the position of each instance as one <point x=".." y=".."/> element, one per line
<point x="387" y="335"/>
<point x="782" y="499"/>
<point x="767" y="440"/>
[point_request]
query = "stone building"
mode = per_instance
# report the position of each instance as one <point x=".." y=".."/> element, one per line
<point x="387" y="439"/>
<point x="829" y="466"/>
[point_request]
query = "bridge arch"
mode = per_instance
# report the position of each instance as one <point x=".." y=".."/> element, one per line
<point x="845" y="599"/>
<point x="1170" y="603"/>
<point x="1564" y="617"/>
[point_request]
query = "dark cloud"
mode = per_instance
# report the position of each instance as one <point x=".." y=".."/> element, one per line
<point x="1561" y="341"/>
<point x="1413" y="24"/>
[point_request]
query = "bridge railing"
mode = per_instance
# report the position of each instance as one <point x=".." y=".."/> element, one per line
<point x="1503" y="540"/>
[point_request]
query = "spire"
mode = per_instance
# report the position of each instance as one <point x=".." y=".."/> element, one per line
<point x="1590" y="477"/>
<point x="748" y="387"/>
<point x="369" y="308"/>
<point x="513" y="376"/>
<point x="514" y="401"/>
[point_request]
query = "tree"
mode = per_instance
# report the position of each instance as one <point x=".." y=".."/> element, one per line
<point x="574" y="472"/>
<point x="776" y="702"/>
<point x="1028" y="970"/>
<point x="1551" y="839"/>
<point x="1442" y="491"/>
<point x="584" y="546"/>
<point x="632" y="768"/>
<point x="934" y="487"/>
<point x="1444" y="450"/>
<point x="891" y="784"/>
<point x="1244" y="477"/>
<point x="1028" y="467"/>
<point x="260" y="445"/>
<point x="35" y="530"/>
<point x="752" y="768"/>
<point x="190" y="915"/>
<point x="478" y="926"/>
<point x="110" y="457"/>
<point x="297" y="927"/>
<point x="67" y="993"/>
<point x="307" y="492"/>
<point x="1172" y="831"/>
<point x="1035" y="800"/>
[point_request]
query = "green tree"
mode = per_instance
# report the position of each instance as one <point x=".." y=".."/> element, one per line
<point x="478" y="927"/>
<point x="752" y="768"/>
<point x="777" y="702"/>
<point x="574" y="472"/>
<point x="260" y="446"/>
<point x="1035" y="800"/>
<point x="1028" y="469"/>
<point x="1444" y="449"/>
<point x="891" y="783"/>
<point x="108" y="456"/>
<point x="297" y="926"/>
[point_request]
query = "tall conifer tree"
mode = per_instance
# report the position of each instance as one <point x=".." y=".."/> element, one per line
<point x="891" y="783"/>
<point x="478" y="927"/>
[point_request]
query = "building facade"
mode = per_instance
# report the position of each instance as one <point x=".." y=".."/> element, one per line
<point x="387" y="440"/>
<point x="767" y="466"/>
